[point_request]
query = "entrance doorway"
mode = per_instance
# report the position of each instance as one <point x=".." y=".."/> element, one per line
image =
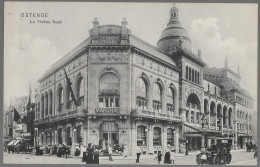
<point x="111" y="138"/>
<point x="109" y="133"/>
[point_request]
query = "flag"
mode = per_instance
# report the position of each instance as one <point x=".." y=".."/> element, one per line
<point x="70" y="89"/>
<point x="29" y="98"/>
<point x="16" y="115"/>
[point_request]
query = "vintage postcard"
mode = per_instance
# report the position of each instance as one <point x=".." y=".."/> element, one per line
<point x="130" y="83"/>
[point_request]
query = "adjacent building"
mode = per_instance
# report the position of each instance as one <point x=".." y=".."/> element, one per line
<point x="130" y="92"/>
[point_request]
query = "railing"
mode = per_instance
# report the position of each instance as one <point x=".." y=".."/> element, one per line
<point x="60" y="116"/>
<point x="159" y="115"/>
<point x="148" y="112"/>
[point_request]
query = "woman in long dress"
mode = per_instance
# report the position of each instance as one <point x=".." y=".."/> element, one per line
<point x="96" y="155"/>
<point x="125" y="150"/>
<point x="90" y="154"/>
<point x="167" y="156"/>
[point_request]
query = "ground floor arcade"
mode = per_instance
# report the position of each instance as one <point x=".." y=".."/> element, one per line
<point x="116" y="131"/>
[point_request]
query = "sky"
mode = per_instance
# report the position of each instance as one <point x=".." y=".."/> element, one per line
<point x="218" y="30"/>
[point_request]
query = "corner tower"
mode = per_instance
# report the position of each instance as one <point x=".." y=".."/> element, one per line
<point x="174" y="34"/>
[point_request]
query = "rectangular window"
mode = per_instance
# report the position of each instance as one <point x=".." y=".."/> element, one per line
<point x="101" y="102"/>
<point x="117" y="102"/>
<point x="106" y="102"/>
<point x="111" y="102"/>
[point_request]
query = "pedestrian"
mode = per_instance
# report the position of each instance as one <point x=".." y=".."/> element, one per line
<point x="77" y="150"/>
<point x="110" y="152"/>
<point x="125" y="150"/>
<point x="172" y="156"/>
<point x="138" y="153"/>
<point x="255" y="154"/>
<point x="66" y="151"/>
<point x="89" y="154"/>
<point x="167" y="156"/>
<point x="96" y="155"/>
<point x="159" y="157"/>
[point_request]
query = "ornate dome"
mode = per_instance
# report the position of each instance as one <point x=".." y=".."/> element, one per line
<point x="173" y="34"/>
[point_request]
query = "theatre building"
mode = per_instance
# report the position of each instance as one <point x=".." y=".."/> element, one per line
<point x="129" y="92"/>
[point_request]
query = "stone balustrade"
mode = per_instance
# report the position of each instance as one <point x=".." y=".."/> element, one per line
<point x="61" y="116"/>
<point x="157" y="115"/>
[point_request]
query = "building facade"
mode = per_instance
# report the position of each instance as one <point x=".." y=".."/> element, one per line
<point x="130" y="92"/>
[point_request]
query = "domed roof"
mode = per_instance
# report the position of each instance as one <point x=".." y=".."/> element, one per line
<point x="173" y="33"/>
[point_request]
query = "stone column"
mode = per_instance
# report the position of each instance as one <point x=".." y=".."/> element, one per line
<point x="227" y="121"/>
<point x="195" y="115"/>
<point x="134" y="140"/>
<point x="150" y="98"/>
<point x="209" y="143"/>
<point x="73" y="135"/>
<point x="209" y="116"/>
<point x="45" y="105"/>
<point x="85" y="135"/>
<point x="150" y="140"/>
<point x="164" y="102"/>
<point x="221" y="117"/>
<point x="63" y="134"/>
<point x="216" y="119"/>
<point x="55" y="137"/>
<point x="164" y="138"/>
<point x="235" y="132"/>
<point x="176" y="139"/>
<point x="189" y="113"/>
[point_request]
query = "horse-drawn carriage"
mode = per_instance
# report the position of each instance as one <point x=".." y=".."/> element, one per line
<point x="216" y="154"/>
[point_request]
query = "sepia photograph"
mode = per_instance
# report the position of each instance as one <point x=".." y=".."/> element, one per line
<point x="135" y="83"/>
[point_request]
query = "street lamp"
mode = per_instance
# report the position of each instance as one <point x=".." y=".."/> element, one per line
<point x="186" y="144"/>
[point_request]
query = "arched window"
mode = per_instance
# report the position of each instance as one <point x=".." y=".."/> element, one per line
<point x="50" y="107"/>
<point x="157" y="102"/>
<point x="68" y="136"/>
<point x="42" y="109"/>
<point x="109" y="86"/>
<point x="187" y="115"/>
<point x="70" y="101"/>
<point x="38" y="110"/>
<point x="198" y="78"/>
<point x="46" y="105"/>
<point x="170" y="100"/>
<point x="61" y="99"/>
<point x="192" y="117"/>
<point x="192" y="76"/>
<point x="141" y="135"/>
<point x="51" y="131"/>
<point x="170" y="136"/>
<point x="141" y="93"/>
<point x="79" y="134"/>
<point x="157" y="137"/>
<point x="187" y="72"/>
<point x="60" y="136"/>
<point x="195" y="77"/>
<point x="81" y="88"/>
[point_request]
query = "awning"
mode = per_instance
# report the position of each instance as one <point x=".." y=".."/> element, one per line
<point x="16" y="142"/>
<point x="199" y="129"/>
<point x="218" y="138"/>
<point x="11" y="142"/>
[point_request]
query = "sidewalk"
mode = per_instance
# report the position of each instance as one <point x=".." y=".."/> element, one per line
<point x="133" y="157"/>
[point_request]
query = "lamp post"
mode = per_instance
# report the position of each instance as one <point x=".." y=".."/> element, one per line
<point x="186" y="145"/>
<point x="203" y="133"/>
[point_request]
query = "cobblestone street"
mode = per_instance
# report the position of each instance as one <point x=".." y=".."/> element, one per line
<point x="239" y="158"/>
